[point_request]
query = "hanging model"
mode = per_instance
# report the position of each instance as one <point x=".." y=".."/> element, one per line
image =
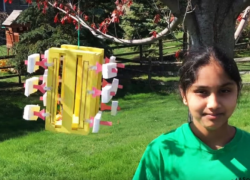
<point x="72" y="88"/>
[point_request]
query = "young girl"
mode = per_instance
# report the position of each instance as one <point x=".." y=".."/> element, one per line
<point x="207" y="148"/>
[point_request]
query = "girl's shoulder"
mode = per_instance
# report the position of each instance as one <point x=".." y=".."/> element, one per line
<point x="176" y="137"/>
<point x="245" y="135"/>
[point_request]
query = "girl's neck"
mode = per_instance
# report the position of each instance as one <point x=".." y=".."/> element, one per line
<point x="215" y="139"/>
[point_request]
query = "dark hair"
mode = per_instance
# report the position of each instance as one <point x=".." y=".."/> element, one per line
<point x="201" y="57"/>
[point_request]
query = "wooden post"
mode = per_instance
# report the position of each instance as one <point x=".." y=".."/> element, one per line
<point x="149" y="70"/>
<point x="185" y="41"/>
<point x="188" y="41"/>
<point x="160" y="50"/>
<point x="141" y="55"/>
<point x="19" y="77"/>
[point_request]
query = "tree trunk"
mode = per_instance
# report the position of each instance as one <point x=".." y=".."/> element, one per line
<point x="210" y="22"/>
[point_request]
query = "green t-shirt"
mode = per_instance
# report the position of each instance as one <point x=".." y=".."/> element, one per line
<point x="180" y="155"/>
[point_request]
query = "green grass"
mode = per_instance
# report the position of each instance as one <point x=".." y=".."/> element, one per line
<point x="27" y="151"/>
<point x="126" y="50"/>
<point x="244" y="53"/>
<point x="155" y="48"/>
<point x="238" y="54"/>
<point x="245" y="78"/>
<point x="4" y="73"/>
<point x="241" y="116"/>
<point x="244" y="66"/>
<point x="3" y="50"/>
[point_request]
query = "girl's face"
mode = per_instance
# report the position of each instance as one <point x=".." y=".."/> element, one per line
<point x="212" y="97"/>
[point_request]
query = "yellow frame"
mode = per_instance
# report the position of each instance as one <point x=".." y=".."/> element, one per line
<point x="77" y="78"/>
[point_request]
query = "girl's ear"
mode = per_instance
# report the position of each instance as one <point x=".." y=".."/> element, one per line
<point x="184" y="99"/>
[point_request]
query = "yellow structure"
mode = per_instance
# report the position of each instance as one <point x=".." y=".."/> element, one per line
<point x="3" y="64"/>
<point x="69" y="104"/>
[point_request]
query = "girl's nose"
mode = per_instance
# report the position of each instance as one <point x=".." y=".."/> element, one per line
<point x="213" y="101"/>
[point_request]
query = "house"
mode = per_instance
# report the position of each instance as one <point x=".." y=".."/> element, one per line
<point x="13" y="29"/>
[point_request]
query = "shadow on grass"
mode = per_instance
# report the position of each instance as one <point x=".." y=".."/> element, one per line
<point x="135" y="79"/>
<point x="12" y="104"/>
<point x="137" y="86"/>
<point x="4" y="85"/>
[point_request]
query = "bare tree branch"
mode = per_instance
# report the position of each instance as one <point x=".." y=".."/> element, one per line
<point x="97" y="33"/>
<point x="242" y="24"/>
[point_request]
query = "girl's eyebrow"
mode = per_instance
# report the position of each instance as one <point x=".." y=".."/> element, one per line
<point x="223" y="85"/>
<point x="228" y="84"/>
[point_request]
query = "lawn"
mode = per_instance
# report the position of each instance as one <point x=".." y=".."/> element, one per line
<point x="3" y="50"/>
<point x="29" y="152"/>
<point x="243" y="53"/>
<point x="169" y="47"/>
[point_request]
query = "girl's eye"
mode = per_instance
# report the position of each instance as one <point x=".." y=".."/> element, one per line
<point x="225" y="91"/>
<point x="201" y="92"/>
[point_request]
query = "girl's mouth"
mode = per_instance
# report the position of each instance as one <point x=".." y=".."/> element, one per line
<point x="213" y="116"/>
